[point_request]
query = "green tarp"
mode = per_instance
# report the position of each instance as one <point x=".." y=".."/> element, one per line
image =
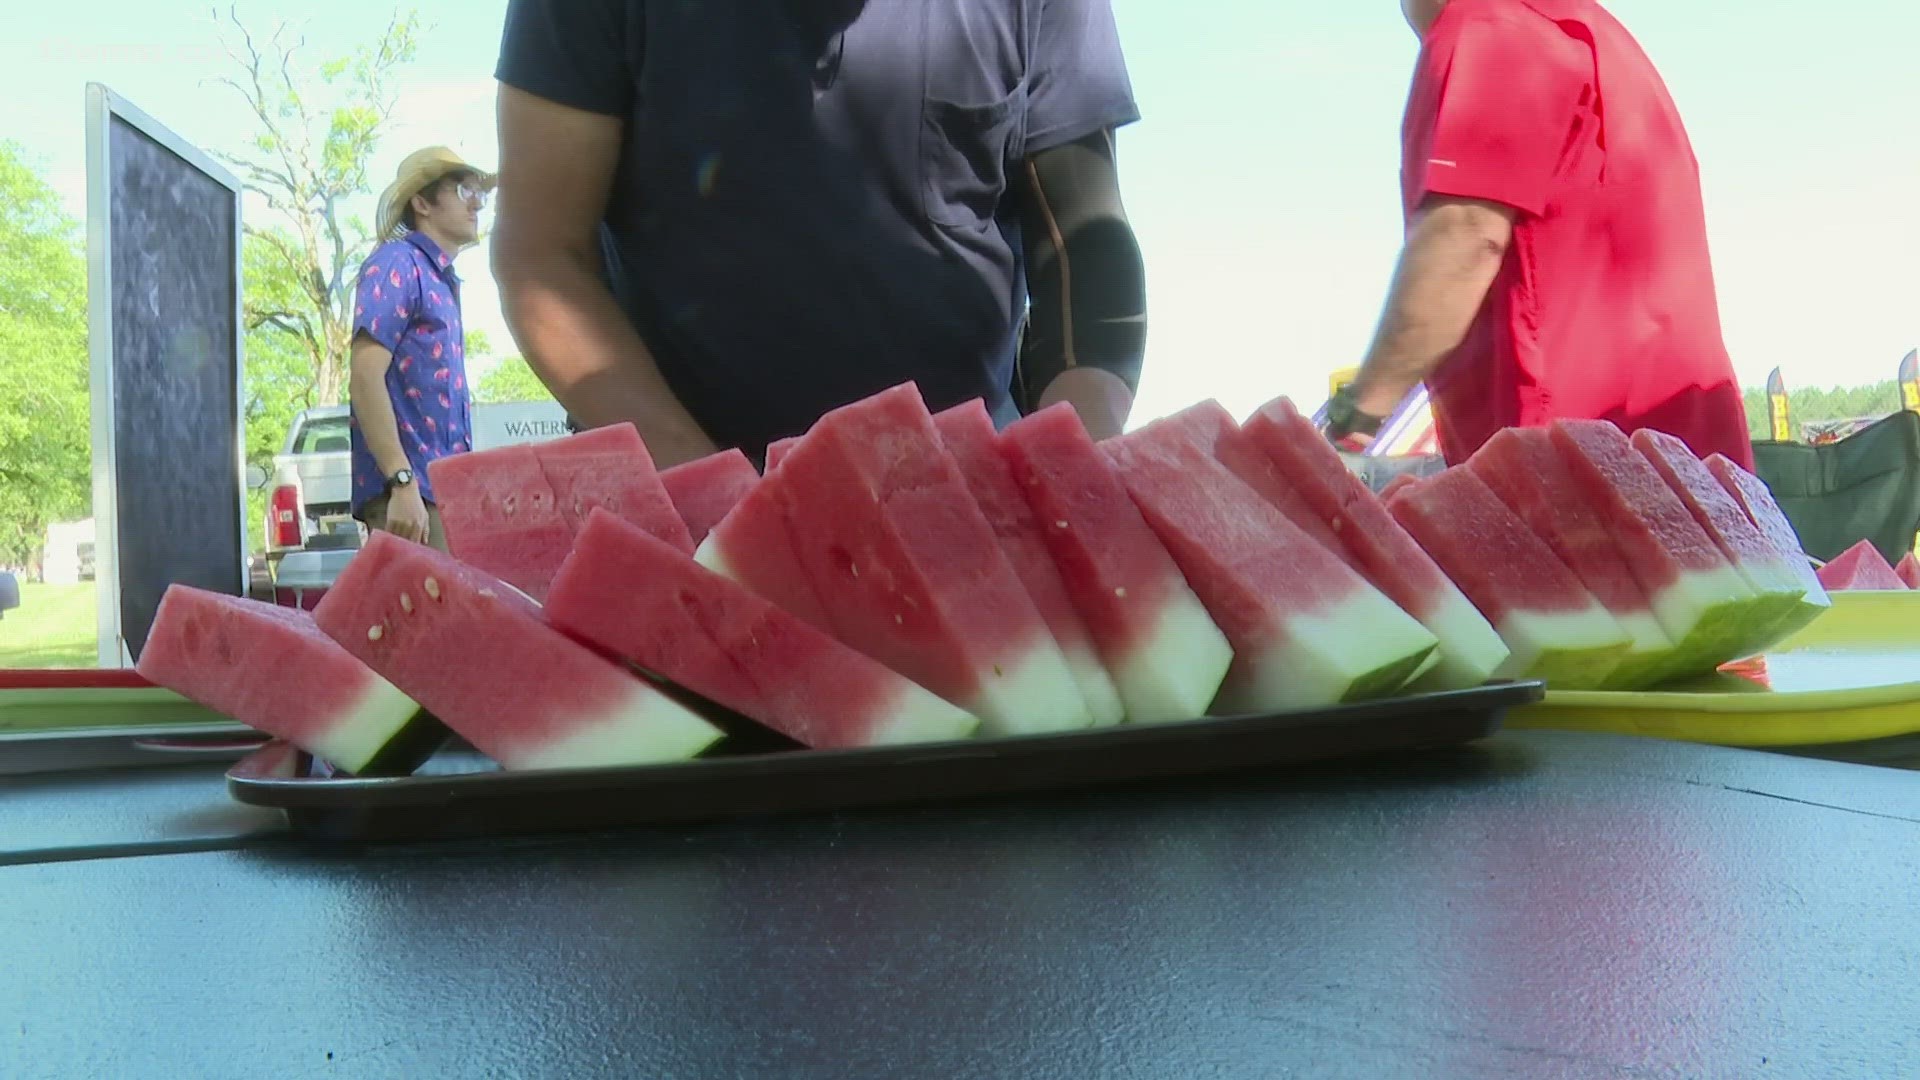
<point x="1865" y="486"/>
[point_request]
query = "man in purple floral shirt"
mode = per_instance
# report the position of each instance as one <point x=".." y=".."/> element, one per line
<point x="408" y="367"/>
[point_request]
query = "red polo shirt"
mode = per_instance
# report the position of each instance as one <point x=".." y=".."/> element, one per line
<point x="1605" y="307"/>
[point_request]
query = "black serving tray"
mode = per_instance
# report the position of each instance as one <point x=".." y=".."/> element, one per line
<point x="460" y="794"/>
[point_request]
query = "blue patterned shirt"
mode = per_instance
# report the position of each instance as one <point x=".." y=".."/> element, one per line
<point x="408" y="300"/>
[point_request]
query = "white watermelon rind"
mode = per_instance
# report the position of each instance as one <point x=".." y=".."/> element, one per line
<point x="1567" y="650"/>
<point x="359" y="735"/>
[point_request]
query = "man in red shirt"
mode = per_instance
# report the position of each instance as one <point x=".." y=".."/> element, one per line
<point x="1555" y="262"/>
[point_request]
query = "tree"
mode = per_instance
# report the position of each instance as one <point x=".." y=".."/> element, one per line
<point x="45" y="419"/>
<point x="317" y="130"/>
<point x="511" y="380"/>
<point x="1812" y="405"/>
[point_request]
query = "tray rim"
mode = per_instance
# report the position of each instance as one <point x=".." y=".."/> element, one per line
<point x="250" y="781"/>
<point x="1858" y="618"/>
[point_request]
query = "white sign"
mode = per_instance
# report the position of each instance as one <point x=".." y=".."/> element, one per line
<point x="506" y="423"/>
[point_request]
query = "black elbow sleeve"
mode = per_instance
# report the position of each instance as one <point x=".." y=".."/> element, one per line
<point x="1086" y="279"/>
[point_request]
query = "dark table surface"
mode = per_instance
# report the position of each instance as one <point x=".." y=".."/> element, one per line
<point x="1540" y="905"/>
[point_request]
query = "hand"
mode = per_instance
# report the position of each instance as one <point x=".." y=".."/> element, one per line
<point x="407" y="514"/>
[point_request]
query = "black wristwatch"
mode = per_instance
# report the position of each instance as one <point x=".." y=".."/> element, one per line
<point x="1345" y="418"/>
<point x="399" y="479"/>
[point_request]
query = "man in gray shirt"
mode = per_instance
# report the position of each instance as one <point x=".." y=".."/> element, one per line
<point x="721" y="219"/>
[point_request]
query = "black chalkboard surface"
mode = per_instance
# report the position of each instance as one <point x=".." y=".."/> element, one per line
<point x="169" y="488"/>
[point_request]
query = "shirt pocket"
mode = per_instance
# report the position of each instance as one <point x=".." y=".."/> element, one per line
<point x="966" y="154"/>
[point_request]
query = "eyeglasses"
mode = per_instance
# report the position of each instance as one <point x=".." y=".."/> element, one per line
<point x="472" y="193"/>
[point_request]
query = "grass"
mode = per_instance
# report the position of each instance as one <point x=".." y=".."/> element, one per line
<point x="54" y="626"/>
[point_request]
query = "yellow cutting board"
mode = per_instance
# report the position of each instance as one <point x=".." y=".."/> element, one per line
<point x="1852" y="675"/>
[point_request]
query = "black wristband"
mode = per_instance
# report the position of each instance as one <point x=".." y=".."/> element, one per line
<point x="1345" y="418"/>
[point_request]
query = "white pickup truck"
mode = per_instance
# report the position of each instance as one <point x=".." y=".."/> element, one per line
<point x="309" y="503"/>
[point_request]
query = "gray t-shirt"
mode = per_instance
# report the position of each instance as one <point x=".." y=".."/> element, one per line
<point x="817" y="198"/>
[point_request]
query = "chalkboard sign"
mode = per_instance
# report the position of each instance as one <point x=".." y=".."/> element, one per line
<point x="165" y="334"/>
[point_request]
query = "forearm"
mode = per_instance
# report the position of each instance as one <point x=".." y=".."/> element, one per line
<point x="1087" y="330"/>
<point x="1452" y="255"/>
<point x="373" y="408"/>
<point x="581" y="345"/>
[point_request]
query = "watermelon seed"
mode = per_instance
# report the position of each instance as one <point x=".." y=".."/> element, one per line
<point x="406" y="603"/>
<point x="855" y="567"/>
<point x="997" y="671"/>
<point x="899" y="621"/>
<point x="1120" y="591"/>
<point x="1060" y="524"/>
<point x="433" y="588"/>
<point x="506" y="504"/>
<point x="374" y="632"/>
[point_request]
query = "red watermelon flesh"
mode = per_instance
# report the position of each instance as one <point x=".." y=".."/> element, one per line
<point x="1523" y="468"/>
<point x="272" y="669"/>
<point x="1555" y="629"/>
<point x="468" y="647"/>
<point x="500" y="515"/>
<point x="1771" y="575"/>
<point x="1166" y="655"/>
<point x="1908" y="571"/>
<point x="1376" y="546"/>
<point x="968" y="434"/>
<point x="1702" y="601"/>
<point x="777" y="450"/>
<point x="1860" y="567"/>
<point x="705" y="489"/>
<point x="753" y="545"/>
<point x="1751" y="493"/>
<point x="909" y="572"/>
<point x="628" y="592"/>
<point x="1305" y="629"/>
<point x="610" y="467"/>
<point x="1212" y="428"/>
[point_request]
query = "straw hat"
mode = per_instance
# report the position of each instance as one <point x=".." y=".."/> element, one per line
<point x="421" y="169"/>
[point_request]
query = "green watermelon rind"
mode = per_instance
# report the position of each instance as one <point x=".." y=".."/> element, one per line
<point x="1575" y="669"/>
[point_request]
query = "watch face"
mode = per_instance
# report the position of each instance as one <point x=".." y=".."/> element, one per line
<point x="403" y="477"/>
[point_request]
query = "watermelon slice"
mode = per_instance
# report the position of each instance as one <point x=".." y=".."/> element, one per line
<point x="1702" y="601"/>
<point x="1527" y="472"/>
<point x="1305" y="630"/>
<point x="1166" y="655"/>
<point x="1212" y="428"/>
<point x="907" y="568"/>
<point x="470" y="648"/>
<point x="500" y="515"/>
<point x="629" y="593"/>
<point x="512" y="511"/>
<point x="1555" y="629"/>
<point x="1860" y="567"/>
<point x="705" y="489"/>
<point x="1377" y="547"/>
<point x="610" y="467"/>
<point x="271" y="668"/>
<point x="1908" y="571"/>
<point x="777" y="450"/>
<point x="968" y="434"/>
<point x="1757" y="502"/>
<point x="1773" y="576"/>
<point x="754" y="546"/>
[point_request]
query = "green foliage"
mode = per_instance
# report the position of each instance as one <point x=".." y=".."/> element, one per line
<point x="1811" y="405"/>
<point x="512" y="380"/>
<point x="45" y="420"/>
<point x="319" y="126"/>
